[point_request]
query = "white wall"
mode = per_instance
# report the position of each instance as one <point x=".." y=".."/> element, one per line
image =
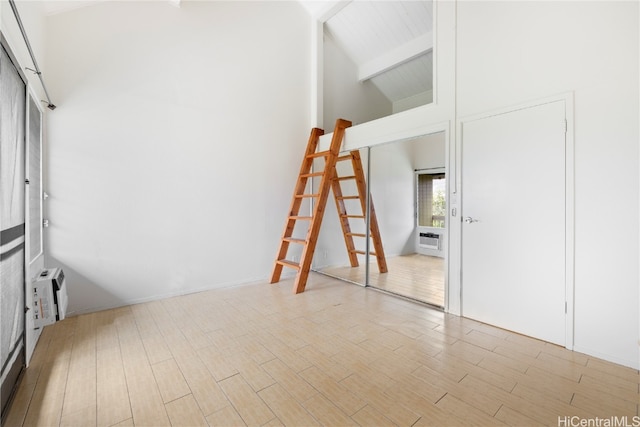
<point x="175" y="145"/>
<point x="344" y="96"/>
<point x="32" y="16"/>
<point x="392" y="183"/>
<point x="504" y="59"/>
<point x="429" y="151"/>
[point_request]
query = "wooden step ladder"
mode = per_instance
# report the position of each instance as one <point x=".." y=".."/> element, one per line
<point x="358" y="177"/>
<point x="315" y="220"/>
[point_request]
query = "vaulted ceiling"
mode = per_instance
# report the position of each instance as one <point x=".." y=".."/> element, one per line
<point x="391" y="43"/>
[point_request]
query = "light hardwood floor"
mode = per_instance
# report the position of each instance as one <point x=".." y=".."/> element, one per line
<point x="415" y="276"/>
<point x="336" y="355"/>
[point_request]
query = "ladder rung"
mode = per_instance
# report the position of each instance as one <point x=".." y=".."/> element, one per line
<point x="348" y="197"/>
<point x="363" y="252"/>
<point x="344" y="178"/>
<point x="307" y="175"/>
<point x="287" y="263"/>
<point x="294" y="240"/>
<point x="302" y="218"/>
<point x="343" y="158"/>
<point x="318" y="154"/>
<point x="352" y="216"/>
<point x="357" y="234"/>
<point x="302" y="196"/>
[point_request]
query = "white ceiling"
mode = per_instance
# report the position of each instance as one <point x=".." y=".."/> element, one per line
<point x="408" y="79"/>
<point x="391" y="43"/>
<point x="367" y="29"/>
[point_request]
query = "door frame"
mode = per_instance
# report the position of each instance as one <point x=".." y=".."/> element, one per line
<point x="455" y="286"/>
<point x="33" y="265"/>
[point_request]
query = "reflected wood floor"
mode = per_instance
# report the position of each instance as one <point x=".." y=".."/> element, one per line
<point x="336" y="355"/>
<point x="416" y="276"/>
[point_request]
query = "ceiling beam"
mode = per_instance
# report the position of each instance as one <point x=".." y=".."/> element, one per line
<point x="397" y="56"/>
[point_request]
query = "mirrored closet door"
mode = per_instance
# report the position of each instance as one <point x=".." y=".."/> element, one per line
<point x="408" y="184"/>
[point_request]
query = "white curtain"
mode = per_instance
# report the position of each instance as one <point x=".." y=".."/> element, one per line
<point x="12" y="216"/>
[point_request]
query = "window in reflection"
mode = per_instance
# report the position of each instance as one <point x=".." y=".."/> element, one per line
<point x="431" y="199"/>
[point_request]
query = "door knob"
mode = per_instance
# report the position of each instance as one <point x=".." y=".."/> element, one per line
<point x="469" y="220"/>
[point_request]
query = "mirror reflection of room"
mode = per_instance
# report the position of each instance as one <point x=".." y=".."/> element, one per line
<point x="408" y="196"/>
<point x="408" y="183"/>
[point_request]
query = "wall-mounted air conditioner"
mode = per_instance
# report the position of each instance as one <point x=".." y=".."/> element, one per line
<point x="49" y="297"/>
<point x="430" y="241"/>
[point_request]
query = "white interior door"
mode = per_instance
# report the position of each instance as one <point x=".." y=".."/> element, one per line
<point x="513" y="232"/>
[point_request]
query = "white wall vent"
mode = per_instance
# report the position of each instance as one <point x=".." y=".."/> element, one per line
<point x="430" y="241"/>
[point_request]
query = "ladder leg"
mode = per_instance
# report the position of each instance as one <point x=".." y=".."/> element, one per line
<point x="301" y="278"/>
<point x="276" y="273"/>
<point x="282" y="252"/>
<point x="296" y="202"/>
<point x="377" y="240"/>
<point x="344" y="221"/>
<point x="373" y="220"/>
